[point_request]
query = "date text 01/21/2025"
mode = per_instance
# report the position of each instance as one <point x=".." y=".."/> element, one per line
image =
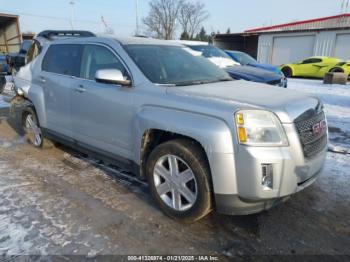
<point x="173" y="258"/>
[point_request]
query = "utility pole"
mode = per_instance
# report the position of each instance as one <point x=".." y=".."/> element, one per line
<point x="137" y="16"/>
<point x="72" y="3"/>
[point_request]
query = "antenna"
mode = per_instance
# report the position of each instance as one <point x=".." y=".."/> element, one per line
<point x="137" y="16"/>
<point x="72" y="3"/>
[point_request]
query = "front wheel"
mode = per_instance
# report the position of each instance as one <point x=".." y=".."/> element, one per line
<point x="287" y="71"/>
<point x="179" y="179"/>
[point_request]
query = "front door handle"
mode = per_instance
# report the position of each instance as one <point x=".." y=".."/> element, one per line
<point x="42" y="79"/>
<point x="80" y="89"/>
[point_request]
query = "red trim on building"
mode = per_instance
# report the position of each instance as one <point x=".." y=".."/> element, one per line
<point x="296" y="23"/>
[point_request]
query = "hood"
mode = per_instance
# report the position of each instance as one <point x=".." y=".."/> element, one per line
<point x="254" y="74"/>
<point x="266" y="67"/>
<point x="223" y="62"/>
<point x="287" y="104"/>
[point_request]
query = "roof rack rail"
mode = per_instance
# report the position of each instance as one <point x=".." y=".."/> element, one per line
<point x="49" y="34"/>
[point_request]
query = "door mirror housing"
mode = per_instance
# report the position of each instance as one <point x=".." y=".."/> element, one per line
<point x="111" y="76"/>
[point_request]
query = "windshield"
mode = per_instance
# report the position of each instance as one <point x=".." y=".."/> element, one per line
<point x="243" y="58"/>
<point x="209" y="51"/>
<point x="174" y="65"/>
<point x="26" y="44"/>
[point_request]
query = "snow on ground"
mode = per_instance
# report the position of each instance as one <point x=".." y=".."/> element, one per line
<point x="336" y="99"/>
<point x="8" y="90"/>
<point x="52" y="202"/>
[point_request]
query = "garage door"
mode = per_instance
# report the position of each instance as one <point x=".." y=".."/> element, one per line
<point x="342" y="46"/>
<point x="289" y="49"/>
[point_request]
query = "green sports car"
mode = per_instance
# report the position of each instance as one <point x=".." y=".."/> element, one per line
<point x="316" y="67"/>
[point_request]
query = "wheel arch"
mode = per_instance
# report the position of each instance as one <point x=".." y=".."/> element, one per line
<point x="339" y="69"/>
<point x="290" y="67"/>
<point x="151" y="138"/>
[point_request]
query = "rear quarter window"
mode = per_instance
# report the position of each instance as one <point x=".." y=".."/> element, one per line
<point x="64" y="59"/>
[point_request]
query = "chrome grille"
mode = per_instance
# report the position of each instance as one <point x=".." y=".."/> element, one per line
<point x="312" y="143"/>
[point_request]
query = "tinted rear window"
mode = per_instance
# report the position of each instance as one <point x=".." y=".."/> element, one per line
<point x="63" y="59"/>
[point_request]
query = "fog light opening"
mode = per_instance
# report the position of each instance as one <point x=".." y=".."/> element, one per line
<point x="267" y="176"/>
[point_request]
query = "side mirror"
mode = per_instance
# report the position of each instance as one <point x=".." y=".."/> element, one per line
<point x="111" y="76"/>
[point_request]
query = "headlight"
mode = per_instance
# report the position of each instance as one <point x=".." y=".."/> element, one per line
<point x="259" y="128"/>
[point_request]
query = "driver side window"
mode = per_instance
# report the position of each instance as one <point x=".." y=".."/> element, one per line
<point x="97" y="57"/>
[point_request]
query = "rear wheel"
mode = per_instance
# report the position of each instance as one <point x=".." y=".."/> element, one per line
<point x="336" y="70"/>
<point x="179" y="178"/>
<point x="287" y="71"/>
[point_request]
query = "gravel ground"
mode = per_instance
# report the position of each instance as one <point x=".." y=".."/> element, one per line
<point x="57" y="202"/>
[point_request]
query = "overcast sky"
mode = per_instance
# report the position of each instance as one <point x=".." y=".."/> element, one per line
<point x="238" y="15"/>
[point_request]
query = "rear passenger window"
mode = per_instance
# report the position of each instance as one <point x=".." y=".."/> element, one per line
<point x="63" y="59"/>
<point x="97" y="57"/>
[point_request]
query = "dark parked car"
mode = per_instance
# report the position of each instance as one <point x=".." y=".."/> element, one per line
<point x="4" y="65"/>
<point x="223" y="60"/>
<point x="20" y="59"/>
<point x="245" y="59"/>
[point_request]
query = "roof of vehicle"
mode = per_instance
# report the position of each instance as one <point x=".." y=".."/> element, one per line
<point x="143" y="41"/>
<point x="323" y="58"/>
<point x="234" y="52"/>
<point x="121" y="40"/>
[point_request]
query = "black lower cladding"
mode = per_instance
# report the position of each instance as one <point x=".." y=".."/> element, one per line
<point x="235" y="205"/>
<point x="312" y="143"/>
<point x="275" y="82"/>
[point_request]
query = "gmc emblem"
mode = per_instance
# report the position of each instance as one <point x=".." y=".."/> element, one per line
<point x="319" y="128"/>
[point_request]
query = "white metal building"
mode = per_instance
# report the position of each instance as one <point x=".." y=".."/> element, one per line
<point x="293" y="42"/>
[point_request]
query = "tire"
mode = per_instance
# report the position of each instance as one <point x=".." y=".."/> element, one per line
<point x="287" y="71"/>
<point x="32" y="130"/>
<point x="194" y="195"/>
<point x="336" y="70"/>
<point x="2" y="83"/>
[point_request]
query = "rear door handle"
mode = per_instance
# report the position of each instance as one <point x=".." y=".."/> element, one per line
<point x="80" y="89"/>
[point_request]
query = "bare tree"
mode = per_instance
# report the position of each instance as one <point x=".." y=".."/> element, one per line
<point x="162" y="17"/>
<point x="191" y="17"/>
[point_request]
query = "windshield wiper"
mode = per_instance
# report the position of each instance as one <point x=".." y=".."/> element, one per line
<point x="191" y="83"/>
<point x="202" y="82"/>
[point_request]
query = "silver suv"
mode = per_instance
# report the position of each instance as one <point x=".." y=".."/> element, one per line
<point x="200" y="139"/>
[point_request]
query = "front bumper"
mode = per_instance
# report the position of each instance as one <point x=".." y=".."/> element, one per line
<point x="292" y="172"/>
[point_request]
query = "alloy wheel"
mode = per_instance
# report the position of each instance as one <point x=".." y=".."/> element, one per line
<point x="175" y="182"/>
<point x="33" y="130"/>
